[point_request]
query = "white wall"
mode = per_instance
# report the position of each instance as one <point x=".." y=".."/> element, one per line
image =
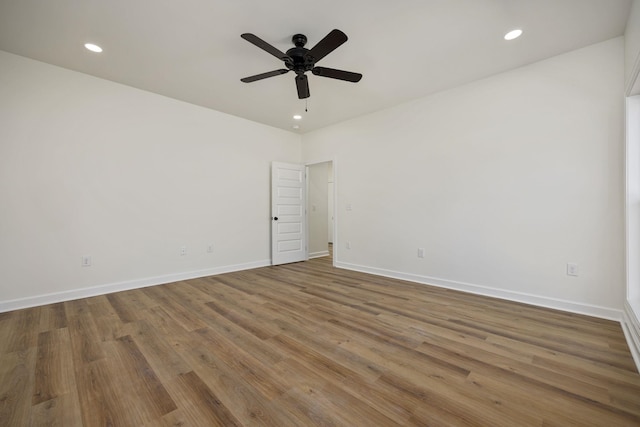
<point x="632" y="50"/>
<point x="91" y="167"/>
<point x="318" y="210"/>
<point x="502" y="181"/>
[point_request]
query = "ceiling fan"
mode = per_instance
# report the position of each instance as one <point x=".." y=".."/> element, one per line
<point x="300" y="60"/>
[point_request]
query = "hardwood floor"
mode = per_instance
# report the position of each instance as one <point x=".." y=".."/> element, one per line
<point x="306" y="344"/>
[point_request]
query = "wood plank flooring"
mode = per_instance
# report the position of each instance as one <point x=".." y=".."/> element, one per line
<point x="309" y="345"/>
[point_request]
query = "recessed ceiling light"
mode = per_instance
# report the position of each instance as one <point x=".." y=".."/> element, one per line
<point x="93" y="47"/>
<point x="297" y="117"/>
<point x="514" y="34"/>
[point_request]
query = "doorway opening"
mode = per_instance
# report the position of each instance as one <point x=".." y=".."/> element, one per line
<point x="321" y="223"/>
<point x="633" y="202"/>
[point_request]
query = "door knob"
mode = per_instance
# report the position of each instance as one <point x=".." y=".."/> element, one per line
<point x="275" y="218"/>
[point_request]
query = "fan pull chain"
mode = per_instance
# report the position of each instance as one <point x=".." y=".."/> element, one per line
<point x="306" y="105"/>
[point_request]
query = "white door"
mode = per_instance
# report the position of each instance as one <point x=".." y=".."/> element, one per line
<point x="288" y="216"/>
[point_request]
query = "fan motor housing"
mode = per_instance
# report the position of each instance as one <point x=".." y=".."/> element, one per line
<point x="301" y="61"/>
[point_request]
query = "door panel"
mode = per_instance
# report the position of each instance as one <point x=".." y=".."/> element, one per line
<point x="288" y="240"/>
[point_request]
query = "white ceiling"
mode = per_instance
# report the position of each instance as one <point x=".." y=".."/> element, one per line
<point x="191" y="50"/>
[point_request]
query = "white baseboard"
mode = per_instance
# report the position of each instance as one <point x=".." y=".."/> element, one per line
<point x="318" y="254"/>
<point x="558" y="304"/>
<point x="123" y="286"/>
<point x="631" y="328"/>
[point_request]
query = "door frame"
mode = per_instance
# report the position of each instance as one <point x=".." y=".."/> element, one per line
<point x="335" y="206"/>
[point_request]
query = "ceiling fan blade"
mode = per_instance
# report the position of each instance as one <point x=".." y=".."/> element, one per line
<point x="264" y="75"/>
<point x="252" y="38"/>
<point x="327" y="45"/>
<point x="302" y="83"/>
<point x="336" y="74"/>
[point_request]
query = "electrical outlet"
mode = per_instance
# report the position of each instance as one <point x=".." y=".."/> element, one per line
<point x="86" y="261"/>
<point x="348" y="245"/>
<point x="210" y="248"/>
<point x="183" y="250"/>
<point x="572" y="269"/>
<point x="420" y="252"/>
